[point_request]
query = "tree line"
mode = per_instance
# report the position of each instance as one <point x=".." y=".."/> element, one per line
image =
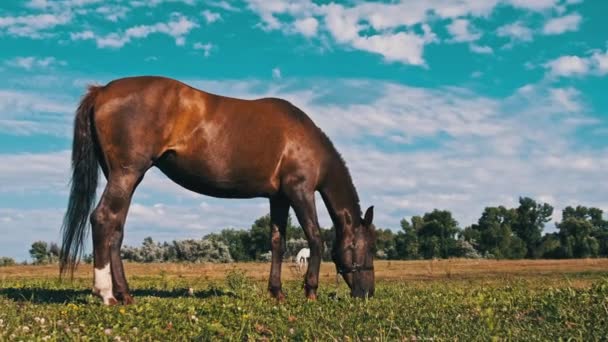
<point x="500" y="233"/>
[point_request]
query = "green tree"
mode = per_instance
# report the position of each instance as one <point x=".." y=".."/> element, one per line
<point x="437" y="234"/>
<point x="581" y="232"/>
<point x="39" y="252"/>
<point x="551" y="247"/>
<point x="259" y="238"/>
<point x="406" y="242"/>
<point x="385" y="244"/>
<point x="493" y="235"/>
<point x="530" y="222"/>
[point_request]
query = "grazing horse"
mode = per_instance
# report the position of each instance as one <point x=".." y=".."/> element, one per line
<point x="302" y="257"/>
<point x="217" y="146"/>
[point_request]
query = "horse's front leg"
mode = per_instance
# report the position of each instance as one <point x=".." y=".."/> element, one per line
<point x="303" y="203"/>
<point x="279" y="211"/>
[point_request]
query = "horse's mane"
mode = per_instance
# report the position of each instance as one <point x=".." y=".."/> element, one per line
<point x="301" y="116"/>
<point x="342" y="163"/>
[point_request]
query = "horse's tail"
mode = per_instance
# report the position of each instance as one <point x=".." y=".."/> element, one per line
<point x="83" y="183"/>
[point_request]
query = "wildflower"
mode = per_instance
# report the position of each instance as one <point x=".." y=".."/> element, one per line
<point x="194" y="318"/>
<point x="190" y="291"/>
<point x="25" y="328"/>
<point x="122" y="311"/>
<point x="107" y="331"/>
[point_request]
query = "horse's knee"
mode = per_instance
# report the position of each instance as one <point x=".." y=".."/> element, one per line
<point x="315" y="244"/>
<point x="277" y="242"/>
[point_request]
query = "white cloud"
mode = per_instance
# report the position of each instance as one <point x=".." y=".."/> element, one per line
<point x="207" y="47"/>
<point x="535" y="5"/>
<point x="113" y="12"/>
<point x="600" y="60"/>
<point x="21" y="227"/>
<point x="398" y="47"/>
<point x="33" y="26"/>
<point x="276" y="73"/>
<point x="307" y="26"/>
<point x="225" y="5"/>
<point x="595" y="63"/>
<point x="30" y="62"/>
<point x="211" y="17"/>
<point x="568" y="66"/>
<point x="516" y="31"/>
<point x="568" y="98"/>
<point x="27" y="113"/>
<point x="390" y="29"/>
<point x="482" y="49"/>
<point x="82" y="35"/>
<point x="178" y="27"/>
<point x="563" y="24"/>
<point x="154" y="3"/>
<point x="60" y="5"/>
<point x="48" y="172"/>
<point x="462" y="31"/>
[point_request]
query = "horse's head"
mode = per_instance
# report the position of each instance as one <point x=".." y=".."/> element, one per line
<point x="354" y="256"/>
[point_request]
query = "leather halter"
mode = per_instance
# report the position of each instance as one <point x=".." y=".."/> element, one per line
<point x="354" y="269"/>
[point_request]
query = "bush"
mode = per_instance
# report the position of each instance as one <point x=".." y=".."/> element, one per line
<point x="294" y="246"/>
<point x="464" y="249"/>
<point x="6" y="261"/>
<point x="202" y="251"/>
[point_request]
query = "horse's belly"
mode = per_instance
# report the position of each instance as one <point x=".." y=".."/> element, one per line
<point x="209" y="176"/>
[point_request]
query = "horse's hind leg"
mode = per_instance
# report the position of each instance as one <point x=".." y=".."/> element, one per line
<point x="108" y="223"/>
<point x="279" y="211"/>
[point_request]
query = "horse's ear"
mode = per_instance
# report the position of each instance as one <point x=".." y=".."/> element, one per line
<point x="369" y="216"/>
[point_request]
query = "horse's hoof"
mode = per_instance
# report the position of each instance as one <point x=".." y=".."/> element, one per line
<point x="106" y="296"/>
<point x="277" y="294"/>
<point x="110" y="301"/>
<point x="311" y="297"/>
<point x="127" y="299"/>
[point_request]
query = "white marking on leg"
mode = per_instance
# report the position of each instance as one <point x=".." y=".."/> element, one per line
<point x="103" y="284"/>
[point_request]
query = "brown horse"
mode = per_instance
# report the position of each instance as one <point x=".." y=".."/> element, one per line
<point x="217" y="146"/>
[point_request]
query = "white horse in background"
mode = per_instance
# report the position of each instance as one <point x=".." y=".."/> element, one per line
<point x="302" y="258"/>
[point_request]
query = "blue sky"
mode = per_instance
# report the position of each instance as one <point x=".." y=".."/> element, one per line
<point x="442" y="104"/>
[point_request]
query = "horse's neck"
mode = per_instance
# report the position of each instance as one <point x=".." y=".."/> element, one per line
<point x="340" y="197"/>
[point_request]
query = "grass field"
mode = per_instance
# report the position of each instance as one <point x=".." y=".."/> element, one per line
<point x="415" y="300"/>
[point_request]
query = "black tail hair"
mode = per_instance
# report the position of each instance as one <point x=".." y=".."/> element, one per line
<point x="83" y="184"/>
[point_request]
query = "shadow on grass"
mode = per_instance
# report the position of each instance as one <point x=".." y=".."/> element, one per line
<point x="44" y="296"/>
<point x="58" y="296"/>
